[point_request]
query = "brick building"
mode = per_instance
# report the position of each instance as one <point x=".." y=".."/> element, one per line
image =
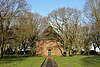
<point x="48" y="43"/>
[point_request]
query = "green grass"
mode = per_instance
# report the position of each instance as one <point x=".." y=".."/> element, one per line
<point x="21" y="61"/>
<point x="78" y="61"/>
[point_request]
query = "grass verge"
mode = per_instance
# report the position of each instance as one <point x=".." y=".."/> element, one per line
<point x="78" y="61"/>
<point x="21" y="61"/>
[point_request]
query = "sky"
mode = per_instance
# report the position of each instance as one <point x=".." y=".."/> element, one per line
<point x="44" y="7"/>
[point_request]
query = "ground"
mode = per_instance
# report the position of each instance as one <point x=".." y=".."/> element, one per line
<point x="49" y="62"/>
<point x="78" y="61"/>
<point x="21" y="62"/>
<point x="74" y="61"/>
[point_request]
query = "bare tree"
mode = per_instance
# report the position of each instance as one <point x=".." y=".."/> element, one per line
<point x="86" y="39"/>
<point x="92" y="13"/>
<point x="9" y="9"/>
<point x="29" y="28"/>
<point x="66" y="21"/>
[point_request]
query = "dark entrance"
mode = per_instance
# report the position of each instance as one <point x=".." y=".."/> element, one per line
<point x="49" y="52"/>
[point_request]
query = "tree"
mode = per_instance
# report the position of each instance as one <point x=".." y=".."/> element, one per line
<point x="92" y="13"/>
<point x="66" y="21"/>
<point x="9" y="9"/>
<point x="86" y="39"/>
<point x="28" y="29"/>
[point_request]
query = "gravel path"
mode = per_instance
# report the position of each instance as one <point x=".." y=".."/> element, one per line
<point x="50" y="63"/>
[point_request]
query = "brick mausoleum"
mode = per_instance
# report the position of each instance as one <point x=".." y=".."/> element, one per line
<point x="48" y="44"/>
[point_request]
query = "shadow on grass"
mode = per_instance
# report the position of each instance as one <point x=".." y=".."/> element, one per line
<point x="91" y="61"/>
<point x="13" y="58"/>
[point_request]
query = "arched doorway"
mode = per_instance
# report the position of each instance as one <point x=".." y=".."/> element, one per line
<point x="49" y="51"/>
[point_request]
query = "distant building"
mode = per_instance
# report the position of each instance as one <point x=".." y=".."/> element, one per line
<point x="48" y="43"/>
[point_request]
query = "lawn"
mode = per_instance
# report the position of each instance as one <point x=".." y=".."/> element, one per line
<point x="78" y="61"/>
<point x="21" y="61"/>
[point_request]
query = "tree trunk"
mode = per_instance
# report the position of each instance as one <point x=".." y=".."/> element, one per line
<point x="94" y="48"/>
<point x="68" y="52"/>
<point x="88" y="53"/>
<point x="24" y="49"/>
<point x="2" y="45"/>
<point x="60" y="49"/>
<point x="16" y="51"/>
<point x="2" y="52"/>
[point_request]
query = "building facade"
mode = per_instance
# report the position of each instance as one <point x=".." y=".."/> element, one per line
<point x="48" y="43"/>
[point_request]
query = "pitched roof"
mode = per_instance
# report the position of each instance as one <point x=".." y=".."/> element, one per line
<point x="49" y="34"/>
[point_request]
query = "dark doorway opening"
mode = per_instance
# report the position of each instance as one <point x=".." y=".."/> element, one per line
<point x="49" y="52"/>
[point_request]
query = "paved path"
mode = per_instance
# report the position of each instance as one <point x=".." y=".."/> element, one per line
<point x="49" y="62"/>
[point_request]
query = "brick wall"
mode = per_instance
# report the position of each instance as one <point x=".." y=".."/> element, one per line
<point x="42" y="47"/>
